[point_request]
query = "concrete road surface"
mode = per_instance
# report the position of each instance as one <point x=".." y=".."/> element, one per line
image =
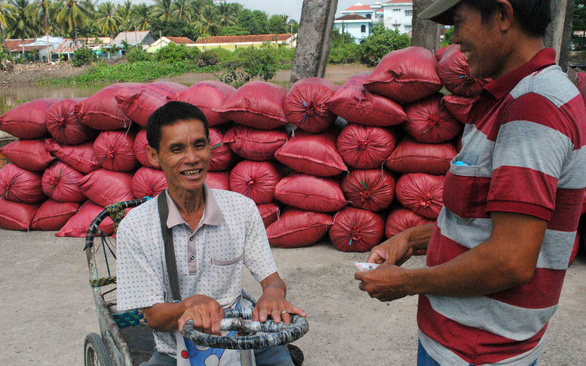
<point x="48" y="309"/>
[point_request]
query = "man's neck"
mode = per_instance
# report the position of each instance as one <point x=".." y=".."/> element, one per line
<point x="522" y="52"/>
<point x="190" y="204"/>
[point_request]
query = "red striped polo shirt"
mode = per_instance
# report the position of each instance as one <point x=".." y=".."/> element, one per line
<point x="522" y="152"/>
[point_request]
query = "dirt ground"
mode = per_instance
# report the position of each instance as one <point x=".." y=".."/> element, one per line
<point x="48" y="308"/>
<point x="28" y="74"/>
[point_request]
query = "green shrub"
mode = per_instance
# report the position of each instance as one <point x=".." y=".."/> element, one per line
<point x="83" y="56"/>
<point x="175" y="53"/>
<point x="381" y="42"/>
<point x="137" y="53"/>
<point x="208" y="58"/>
<point x="345" y="53"/>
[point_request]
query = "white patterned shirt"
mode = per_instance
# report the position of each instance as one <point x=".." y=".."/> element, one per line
<point x="209" y="259"/>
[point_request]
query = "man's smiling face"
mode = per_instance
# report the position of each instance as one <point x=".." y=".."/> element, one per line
<point x="184" y="155"/>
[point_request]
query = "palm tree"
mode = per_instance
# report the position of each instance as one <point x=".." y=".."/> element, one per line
<point x="124" y="13"/>
<point x="182" y="10"/>
<point x="227" y="14"/>
<point x="91" y="6"/>
<point x="108" y="20"/>
<point x="40" y="12"/>
<point x="163" y="9"/>
<point x="5" y="17"/>
<point x="72" y="14"/>
<point x="141" y="14"/>
<point x="209" y="21"/>
<point x="20" y="24"/>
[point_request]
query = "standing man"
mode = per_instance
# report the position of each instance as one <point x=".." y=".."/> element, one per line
<point x="215" y="233"/>
<point x="497" y="256"/>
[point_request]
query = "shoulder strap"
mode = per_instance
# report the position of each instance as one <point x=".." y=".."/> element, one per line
<point x="169" y="248"/>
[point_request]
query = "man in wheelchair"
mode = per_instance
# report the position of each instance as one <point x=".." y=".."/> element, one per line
<point x="214" y="233"/>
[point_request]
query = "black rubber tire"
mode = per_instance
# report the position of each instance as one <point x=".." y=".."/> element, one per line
<point x="95" y="352"/>
<point x="296" y="354"/>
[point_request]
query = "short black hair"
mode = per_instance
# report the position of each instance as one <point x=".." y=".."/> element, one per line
<point x="533" y="15"/>
<point x="169" y="114"/>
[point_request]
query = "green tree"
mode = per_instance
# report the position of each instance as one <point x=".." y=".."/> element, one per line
<point x="234" y="30"/>
<point x="228" y="13"/>
<point x="579" y="25"/>
<point x="209" y="21"/>
<point x="182" y="10"/>
<point x="20" y="24"/>
<point x="255" y="22"/>
<point x="447" y="37"/>
<point x="5" y="17"/>
<point x="124" y="14"/>
<point x="108" y="20"/>
<point x="173" y="28"/>
<point x="163" y="9"/>
<point x="381" y="42"/>
<point x="73" y="15"/>
<point x="141" y="14"/>
<point x="278" y="23"/>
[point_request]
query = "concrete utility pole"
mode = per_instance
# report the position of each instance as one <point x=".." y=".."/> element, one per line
<point x="425" y="32"/>
<point x="559" y="32"/>
<point x="313" y="39"/>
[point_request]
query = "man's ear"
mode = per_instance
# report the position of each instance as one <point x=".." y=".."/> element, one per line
<point x="505" y="15"/>
<point x="153" y="156"/>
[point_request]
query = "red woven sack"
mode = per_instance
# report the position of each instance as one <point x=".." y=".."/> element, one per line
<point x="114" y="150"/>
<point x="584" y="204"/>
<point x="16" y="216"/>
<point x="405" y="75"/>
<point x="207" y="96"/>
<point x="148" y="182"/>
<point x="371" y="190"/>
<point x="254" y="144"/>
<point x="459" y="107"/>
<point x="28" y="154"/>
<point x="356" y="230"/>
<point x="140" y="153"/>
<point x="310" y="193"/>
<point x="454" y="72"/>
<point x="20" y="185"/>
<point x="365" y="147"/>
<point x="218" y="180"/>
<point x="296" y="228"/>
<point x="61" y="183"/>
<point x="79" y="157"/>
<point x="312" y="154"/>
<point x="355" y="104"/>
<point x="256" y="104"/>
<point x="63" y="125"/>
<point x="222" y="156"/>
<point x="105" y="187"/>
<point x="401" y="219"/>
<point x="414" y="157"/>
<point x="581" y="79"/>
<point x="305" y="104"/>
<point x="78" y="225"/>
<point x="52" y="215"/>
<point x="256" y="180"/>
<point x="269" y="212"/>
<point x="140" y="102"/>
<point x="101" y="111"/>
<point x="442" y="51"/>
<point x="27" y="121"/>
<point x="421" y="193"/>
<point x="429" y="122"/>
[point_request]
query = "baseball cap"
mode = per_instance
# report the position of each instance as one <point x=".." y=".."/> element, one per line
<point x="440" y="11"/>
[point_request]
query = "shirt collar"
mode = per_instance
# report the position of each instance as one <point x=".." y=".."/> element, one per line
<point x="211" y="211"/>
<point x="500" y="87"/>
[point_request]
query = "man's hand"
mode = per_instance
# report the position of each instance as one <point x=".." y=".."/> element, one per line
<point x="395" y="250"/>
<point x="205" y="312"/>
<point x="385" y="283"/>
<point x="273" y="303"/>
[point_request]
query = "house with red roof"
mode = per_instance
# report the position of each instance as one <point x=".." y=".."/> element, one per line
<point x="359" y="19"/>
<point x="165" y="41"/>
<point x="234" y="42"/>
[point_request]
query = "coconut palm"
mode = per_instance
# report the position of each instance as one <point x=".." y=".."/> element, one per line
<point x="20" y="24"/>
<point x="5" y="17"/>
<point x="124" y="13"/>
<point x="73" y="15"/>
<point x="163" y="9"/>
<point x="209" y="21"/>
<point x="141" y="14"/>
<point x="108" y="20"/>
<point x="91" y="6"/>
<point x="42" y="14"/>
<point x="183" y="10"/>
<point x="228" y="13"/>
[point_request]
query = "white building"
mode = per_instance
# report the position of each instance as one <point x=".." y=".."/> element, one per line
<point x="359" y="19"/>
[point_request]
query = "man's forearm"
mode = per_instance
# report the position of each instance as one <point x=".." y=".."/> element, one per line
<point x="164" y="316"/>
<point x="419" y="236"/>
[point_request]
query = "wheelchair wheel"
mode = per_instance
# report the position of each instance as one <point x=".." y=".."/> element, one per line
<point x="95" y="352"/>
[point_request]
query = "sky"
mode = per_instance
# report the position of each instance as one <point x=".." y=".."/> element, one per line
<point x="291" y="7"/>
